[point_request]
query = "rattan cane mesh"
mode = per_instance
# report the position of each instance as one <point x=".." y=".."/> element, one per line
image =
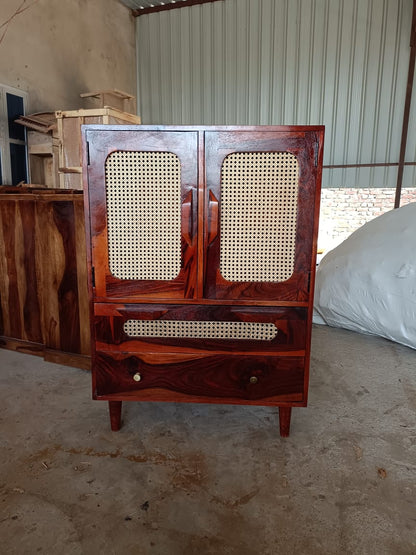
<point x="257" y="331"/>
<point x="143" y="191"/>
<point x="259" y="197"/>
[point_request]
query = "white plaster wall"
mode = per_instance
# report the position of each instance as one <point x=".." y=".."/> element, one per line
<point x="57" y="49"/>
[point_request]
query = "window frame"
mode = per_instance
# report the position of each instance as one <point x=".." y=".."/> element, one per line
<point x="5" y="140"/>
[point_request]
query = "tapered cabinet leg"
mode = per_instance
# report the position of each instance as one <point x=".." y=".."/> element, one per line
<point x="115" y="414"/>
<point x="284" y="420"/>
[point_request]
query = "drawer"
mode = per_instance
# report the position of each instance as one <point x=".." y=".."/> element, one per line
<point x="185" y="328"/>
<point x="210" y="376"/>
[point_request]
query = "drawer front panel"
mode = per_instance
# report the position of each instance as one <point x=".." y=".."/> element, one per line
<point x="234" y="377"/>
<point x="132" y="328"/>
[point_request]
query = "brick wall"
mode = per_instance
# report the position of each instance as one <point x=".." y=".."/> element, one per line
<point x="345" y="210"/>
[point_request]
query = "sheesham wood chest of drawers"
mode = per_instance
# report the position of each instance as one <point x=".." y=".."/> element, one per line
<point x="201" y="250"/>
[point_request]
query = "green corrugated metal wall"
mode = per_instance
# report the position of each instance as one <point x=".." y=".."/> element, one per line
<point x="341" y="63"/>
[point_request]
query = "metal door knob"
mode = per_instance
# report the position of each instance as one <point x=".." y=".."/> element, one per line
<point x="254" y="379"/>
<point x="137" y="377"/>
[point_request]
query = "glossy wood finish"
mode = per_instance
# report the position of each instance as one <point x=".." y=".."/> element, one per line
<point x="284" y="420"/>
<point x="239" y="377"/>
<point x="303" y="145"/>
<point x="182" y="144"/>
<point x="109" y="322"/>
<point x="43" y="285"/>
<point x="273" y="372"/>
<point x="114" y="408"/>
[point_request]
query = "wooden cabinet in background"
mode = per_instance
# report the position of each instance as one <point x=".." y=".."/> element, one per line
<point x="43" y="280"/>
<point x="201" y="244"/>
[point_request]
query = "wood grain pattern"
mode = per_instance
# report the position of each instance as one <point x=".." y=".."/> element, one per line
<point x="271" y="371"/>
<point x="109" y="321"/>
<point x="43" y="270"/>
<point x="82" y="278"/>
<point x="19" y="283"/>
<point x="21" y="346"/>
<point x="166" y="396"/>
<point x="114" y="408"/>
<point x="182" y="144"/>
<point x="235" y="377"/>
<point x="75" y="360"/>
<point x="301" y="144"/>
<point x="284" y="420"/>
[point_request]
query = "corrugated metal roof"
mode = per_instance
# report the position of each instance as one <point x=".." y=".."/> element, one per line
<point x="148" y="6"/>
<point x="142" y="4"/>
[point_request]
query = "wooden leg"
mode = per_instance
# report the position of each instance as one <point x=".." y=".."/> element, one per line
<point x="284" y="420"/>
<point x="115" y="414"/>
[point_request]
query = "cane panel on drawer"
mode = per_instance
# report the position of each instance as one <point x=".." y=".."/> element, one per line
<point x="253" y="331"/>
<point x="176" y="328"/>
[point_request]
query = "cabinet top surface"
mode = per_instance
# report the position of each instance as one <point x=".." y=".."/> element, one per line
<point x="204" y="128"/>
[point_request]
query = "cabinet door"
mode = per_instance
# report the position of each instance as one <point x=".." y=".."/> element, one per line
<point x="261" y="208"/>
<point x="142" y="211"/>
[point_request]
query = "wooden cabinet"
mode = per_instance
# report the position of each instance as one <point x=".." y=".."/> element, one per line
<point x="43" y="275"/>
<point x="201" y="245"/>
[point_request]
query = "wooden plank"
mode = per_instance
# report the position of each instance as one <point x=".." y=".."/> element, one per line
<point x="70" y="180"/>
<point x="59" y="277"/>
<point x="10" y="293"/>
<point x="41" y="195"/>
<point x="29" y="278"/>
<point x="4" y="290"/>
<point x="50" y="272"/>
<point x="74" y="169"/>
<point x="68" y="359"/>
<point x="131" y="118"/>
<point x="67" y="292"/>
<point x="19" y="287"/>
<point x="108" y="98"/>
<point x="20" y="346"/>
<point x="71" y="141"/>
<point x="82" y="278"/>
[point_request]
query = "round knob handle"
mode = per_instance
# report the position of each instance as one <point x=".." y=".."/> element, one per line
<point x="254" y="379"/>
<point x="137" y="377"/>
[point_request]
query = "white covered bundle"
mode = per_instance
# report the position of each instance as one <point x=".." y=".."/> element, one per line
<point x="368" y="283"/>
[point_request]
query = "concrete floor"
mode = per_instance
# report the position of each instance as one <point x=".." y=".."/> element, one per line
<point x="210" y="479"/>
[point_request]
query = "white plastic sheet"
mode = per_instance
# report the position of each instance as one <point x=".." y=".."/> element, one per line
<point x="368" y="283"/>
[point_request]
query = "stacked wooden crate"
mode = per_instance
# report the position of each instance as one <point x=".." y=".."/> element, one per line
<point x="54" y="140"/>
<point x="69" y="135"/>
<point x="43" y="148"/>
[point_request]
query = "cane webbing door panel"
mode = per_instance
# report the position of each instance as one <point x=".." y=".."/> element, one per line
<point x="144" y="221"/>
<point x="264" y="188"/>
<point x="143" y="196"/>
<point x="201" y="244"/>
<point x="260" y="246"/>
